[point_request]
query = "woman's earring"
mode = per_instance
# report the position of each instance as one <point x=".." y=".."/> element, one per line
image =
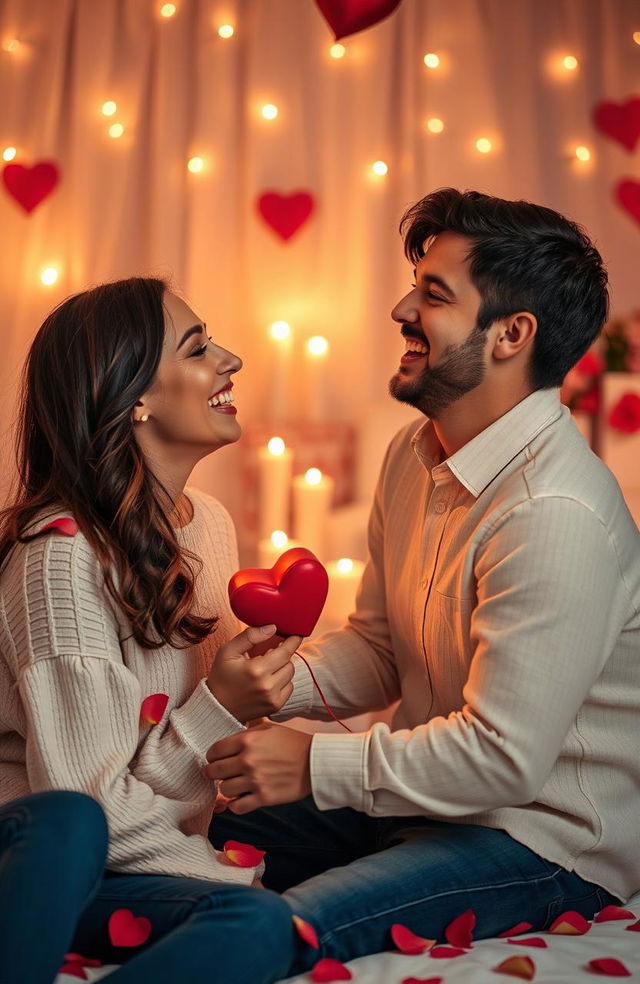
<point x="144" y="417"/>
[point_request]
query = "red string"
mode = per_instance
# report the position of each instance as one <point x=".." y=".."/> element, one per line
<point x="318" y="688"/>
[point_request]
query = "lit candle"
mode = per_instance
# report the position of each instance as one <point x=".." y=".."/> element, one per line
<point x="279" y="382"/>
<point x="275" y="463"/>
<point x="273" y="547"/>
<point x="312" y="495"/>
<point x="316" y="351"/>
<point x="344" y="577"/>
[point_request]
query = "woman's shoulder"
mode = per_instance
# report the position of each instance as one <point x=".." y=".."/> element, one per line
<point x="53" y="543"/>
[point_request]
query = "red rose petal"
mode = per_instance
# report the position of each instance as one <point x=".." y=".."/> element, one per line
<point x="570" y="923"/>
<point x="459" y="931"/>
<point x="125" y="929"/>
<point x="408" y="942"/>
<point x="153" y="707"/>
<point x="73" y="970"/>
<point x="520" y="927"/>
<point x="635" y="928"/>
<point x="306" y="931"/>
<point x="611" y="912"/>
<point x="64" y="525"/>
<point x="440" y="952"/>
<point x="530" y="941"/>
<point x="523" y="967"/>
<point x="78" y="958"/>
<point x="610" y="966"/>
<point x="421" y="980"/>
<point x="330" y="970"/>
<point x="243" y="855"/>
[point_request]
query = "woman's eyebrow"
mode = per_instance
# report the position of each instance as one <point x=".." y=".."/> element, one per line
<point x="194" y="330"/>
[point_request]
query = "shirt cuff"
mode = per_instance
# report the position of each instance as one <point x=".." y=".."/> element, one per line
<point x="202" y="721"/>
<point x="301" y="700"/>
<point x="337" y="764"/>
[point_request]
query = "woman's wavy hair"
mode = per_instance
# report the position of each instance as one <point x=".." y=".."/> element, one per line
<point x="93" y="358"/>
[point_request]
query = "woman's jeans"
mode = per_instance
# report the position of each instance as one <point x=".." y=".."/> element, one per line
<point x="352" y="876"/>
<point x="55" y="897"/>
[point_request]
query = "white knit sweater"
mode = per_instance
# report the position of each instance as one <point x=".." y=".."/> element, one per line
<point x="72" y="680"/>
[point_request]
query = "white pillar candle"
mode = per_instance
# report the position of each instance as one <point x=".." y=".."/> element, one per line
<point x="280" y="376"/>
<point x="316" y="351"/>
<point x="275" y="462"/>
<point x="344" y="577"/>
<point x="312" y="495"/>
<point x="271" y="548"/>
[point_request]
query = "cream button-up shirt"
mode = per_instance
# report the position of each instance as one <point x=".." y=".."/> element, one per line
<point x="501" y="607"/>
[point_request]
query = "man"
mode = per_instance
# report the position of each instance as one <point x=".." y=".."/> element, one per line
<point x="500" y="606"/>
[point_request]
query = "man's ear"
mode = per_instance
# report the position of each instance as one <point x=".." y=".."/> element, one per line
<point x="514" y="334"/>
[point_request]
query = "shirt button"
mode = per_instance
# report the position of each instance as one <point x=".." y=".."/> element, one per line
<point x="440" y="507"/>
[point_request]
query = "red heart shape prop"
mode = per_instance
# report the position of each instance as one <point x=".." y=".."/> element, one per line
<point x="350" y="16"/>
<point x="127" y="930"/>
<point x="628" y="195"/>
<point x="620" y="121"/>
<point x="290" y="595"/>
<point x="285" y="214"/>
<point x="30" y="185"/>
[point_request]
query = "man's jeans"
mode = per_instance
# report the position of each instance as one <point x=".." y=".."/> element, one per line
<point x="352" y="876"/>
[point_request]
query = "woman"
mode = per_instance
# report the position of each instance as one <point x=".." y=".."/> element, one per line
<point x="120" y="660"/>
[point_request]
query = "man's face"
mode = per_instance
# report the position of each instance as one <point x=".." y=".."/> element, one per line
<point x="445" y="352"/>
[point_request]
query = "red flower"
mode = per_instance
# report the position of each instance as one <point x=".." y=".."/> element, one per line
<point x="625" y="415"/>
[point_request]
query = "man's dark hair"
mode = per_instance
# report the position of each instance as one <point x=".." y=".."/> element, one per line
<point x="523" y="257"/>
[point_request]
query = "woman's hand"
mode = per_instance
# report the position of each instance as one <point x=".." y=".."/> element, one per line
<point x="252" y="686"/>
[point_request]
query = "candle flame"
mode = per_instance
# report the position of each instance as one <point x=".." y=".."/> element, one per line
<point x="345" y="565"/>
<point x="317" y="345"/>
<point x="279" y="539"/>
<point x="313" y="476"/>
<point x="276" y="446"/>
<point x="280" y="329"/>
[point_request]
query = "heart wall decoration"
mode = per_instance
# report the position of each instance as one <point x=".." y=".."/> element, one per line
<point x="620" y="121"/>
<point x="30" y="185"/>
<point x="350" y="16"/>
<point x="627" y="194"/>
<point x="285" y="214"/>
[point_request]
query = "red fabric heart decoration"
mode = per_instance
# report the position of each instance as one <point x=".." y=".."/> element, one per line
<point x="628" y="195"/>
<point x="30" y="185"/>
<point x="127" y="930"/>
<point x="285" y="214"/>
<point x="290" y="595"/>
<point x="350" y="16"/>
<point x="620" y="121"/>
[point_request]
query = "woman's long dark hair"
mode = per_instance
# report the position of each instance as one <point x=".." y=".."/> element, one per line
<point x="93" y="358"/>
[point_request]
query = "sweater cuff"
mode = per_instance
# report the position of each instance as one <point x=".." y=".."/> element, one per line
<point x="337" y="765"/>
<point x="202" y="721"/>
<point x="301" y="700"/>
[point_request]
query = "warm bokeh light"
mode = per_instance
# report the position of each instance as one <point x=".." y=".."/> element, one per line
<point x="276" y="446"/>
<point x="570" y="62"/>
<point x="195" y="165"/>
<point x="12" y="45"/>
<point x="49" y="276"/>
<point x="337" y="50"/>
<point x="483" y="146"/>
<point x="313" y="476"/>
<point x="279" y="539"/>
<point x="116" y="130"/>
<point x="226" y="31"/>
<point x="431" y="60"/>
<point x="280" y="329"/>
<point x="317" y="345"/>
<point x="380" y="168"/>
<point x="269" y="111"/>
<point x="583" y="153"/>
<point x="435" y="125"/>
<point x="167" y="9"/>
<point x="344" y="565"/>
<point x="109" y="108"/>
<point x="9" y="153"/>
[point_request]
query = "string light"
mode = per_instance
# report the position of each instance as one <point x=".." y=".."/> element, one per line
<point x="109" y="108"/>
<point x="269" y="111"/>
<point x="435" y="125"/>
<point x="317" y="345"/>
<point x="279" y="539"/>
<point x="337" y="50"/>
<point x="483" y="146"/>
<point x="583" y="153"/>
<point x="344" y="565"/>
<point x="49" y="276"/>
<point x="195" y="165"/>
<point x="116" y="130"/>
<point x="12" y="45"/>
<point x="570" y="63"/>
<point x="380" y="168"/>
<point x="9" y="153"/>
<point x="431" y="60"/>
<point x="226" y="31"/>
<point x="313" y="476"/>
<point x="168" y="9"/>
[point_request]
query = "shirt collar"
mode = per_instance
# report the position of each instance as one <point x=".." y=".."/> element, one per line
<point x="478" y="462"/>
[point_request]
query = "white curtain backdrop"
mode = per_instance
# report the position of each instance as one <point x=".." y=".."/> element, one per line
<point x="130" y="206"/>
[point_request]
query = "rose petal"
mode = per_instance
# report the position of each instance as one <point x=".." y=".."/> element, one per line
<point x="530" y="941"/>
<point x="570" y="923"/>
<point x="611" y="912"/>
<point x="408" y="942"/>
<point x="306" y="931"/>
<point x="243" y="855"/>
<point x="421" y="980"/>
<point x="78" y="958"/>
<point x="125" y="929"/>
<point x="520" y="927"/>
<point x="64" y="525"/>
<point x="635" y="928"/>
<point x="610" y="966"/>
<point x="523" y="967"/>
<point x="439" y="952"/>
<point x="73" y="970"/>
<point x="459" y="931"/>
<point x="330" y="970"/>
<point x="153" y="707"/>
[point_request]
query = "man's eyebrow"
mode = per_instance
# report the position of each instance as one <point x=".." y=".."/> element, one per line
<point x="194" y="330"/>
<point x="433" y="278"/>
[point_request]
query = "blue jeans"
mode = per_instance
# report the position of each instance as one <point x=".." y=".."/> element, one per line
<point x="352" y="876"/>
<point x="56" y="897"/>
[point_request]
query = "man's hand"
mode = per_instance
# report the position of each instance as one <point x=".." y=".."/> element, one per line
<point x="263" y="766"/>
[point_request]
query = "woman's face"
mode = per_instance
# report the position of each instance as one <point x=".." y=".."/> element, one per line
<point x="189" y="406"/>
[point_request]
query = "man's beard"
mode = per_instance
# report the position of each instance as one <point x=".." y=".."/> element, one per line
<point x="460" y="370"/>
